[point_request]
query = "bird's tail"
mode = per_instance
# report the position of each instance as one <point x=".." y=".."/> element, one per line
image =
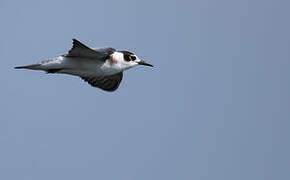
<point x="32" y="66"/>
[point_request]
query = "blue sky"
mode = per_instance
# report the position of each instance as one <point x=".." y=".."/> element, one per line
<point x="215" y="106"/>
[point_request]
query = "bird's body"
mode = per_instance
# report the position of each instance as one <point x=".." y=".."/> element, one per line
<point x="77" y="66"/>
<point x="100" y="67"/>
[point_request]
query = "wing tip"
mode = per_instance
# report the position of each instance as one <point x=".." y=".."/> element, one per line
<point x="75" y="40"/>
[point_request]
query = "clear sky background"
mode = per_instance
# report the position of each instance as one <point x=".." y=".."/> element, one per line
<point x="215" y="106"/>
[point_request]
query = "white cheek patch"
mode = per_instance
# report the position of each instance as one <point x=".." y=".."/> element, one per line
<point x="118" y="57"/>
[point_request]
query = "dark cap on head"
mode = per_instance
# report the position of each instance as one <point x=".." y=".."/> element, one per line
<point x="127" y="55"/>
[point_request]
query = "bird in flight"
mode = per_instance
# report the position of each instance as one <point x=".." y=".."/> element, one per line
<point x="100" y="67"/>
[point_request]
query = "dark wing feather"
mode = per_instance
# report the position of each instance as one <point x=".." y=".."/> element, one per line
<point x="106" y="51"/>
<point x="81" y="50"/>
<point x="106" y="83"/>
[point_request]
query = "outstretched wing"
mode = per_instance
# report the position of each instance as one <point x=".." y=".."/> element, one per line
<point x="107" y="83"/>
<point x="81" y="50"/>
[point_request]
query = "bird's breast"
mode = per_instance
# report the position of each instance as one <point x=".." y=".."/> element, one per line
<point x="110" y="67"/>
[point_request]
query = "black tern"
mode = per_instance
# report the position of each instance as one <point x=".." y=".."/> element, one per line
<point x="100" y="67"/>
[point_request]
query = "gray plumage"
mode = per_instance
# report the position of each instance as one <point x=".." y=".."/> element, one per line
<point x="81" y="50"/>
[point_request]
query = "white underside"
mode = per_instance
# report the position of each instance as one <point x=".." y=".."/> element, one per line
<point x="80" y="66"/>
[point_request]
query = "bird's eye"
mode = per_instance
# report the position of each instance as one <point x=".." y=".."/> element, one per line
<point x="133" y="58"/>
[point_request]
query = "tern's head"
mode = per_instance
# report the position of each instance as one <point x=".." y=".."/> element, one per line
<point x="126" y="59"/>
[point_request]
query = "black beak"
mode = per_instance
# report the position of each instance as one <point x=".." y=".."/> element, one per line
<point x="145" y="63"/>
